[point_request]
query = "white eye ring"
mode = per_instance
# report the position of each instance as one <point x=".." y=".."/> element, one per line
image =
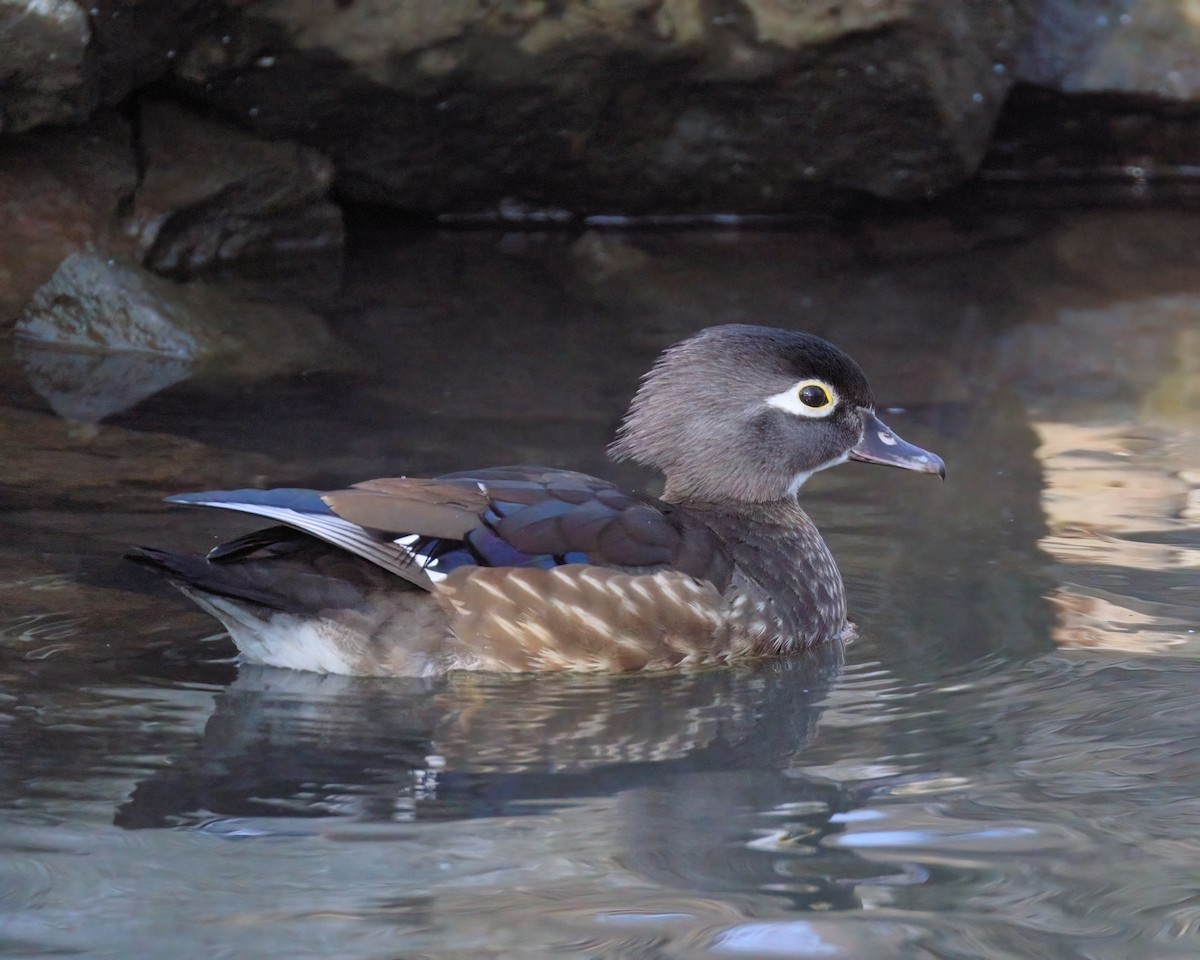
<point x="789" y="400"/>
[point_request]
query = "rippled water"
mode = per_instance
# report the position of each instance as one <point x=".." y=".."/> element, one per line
<point x="1005" y="764"/>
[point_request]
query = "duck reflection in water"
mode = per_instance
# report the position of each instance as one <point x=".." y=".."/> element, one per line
<point x="297" y="744"/>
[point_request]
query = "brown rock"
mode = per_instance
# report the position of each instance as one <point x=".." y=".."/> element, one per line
<point x="45" y="456"/>
<point x="212" y="194"/>
<point x="60" y="191"/>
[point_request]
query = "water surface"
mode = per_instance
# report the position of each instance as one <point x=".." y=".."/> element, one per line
<point x="1005" y="764"/>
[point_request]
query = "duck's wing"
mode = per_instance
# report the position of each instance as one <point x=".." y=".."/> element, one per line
<point x="423" y="529"/>
<point x="304" y="510"/>
<point x="534" y="517"/>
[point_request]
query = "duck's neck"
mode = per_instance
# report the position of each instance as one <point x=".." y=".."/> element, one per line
<point x="780" y="515"/>
<point x="781" y="563"/>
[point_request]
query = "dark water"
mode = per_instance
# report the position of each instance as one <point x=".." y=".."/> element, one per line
<point x="1005" y="764"/>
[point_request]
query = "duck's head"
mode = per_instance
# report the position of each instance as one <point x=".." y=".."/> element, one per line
<point x="748" y="413"/>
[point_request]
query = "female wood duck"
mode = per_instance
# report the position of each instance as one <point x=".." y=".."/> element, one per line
<point x="529" y="568"/>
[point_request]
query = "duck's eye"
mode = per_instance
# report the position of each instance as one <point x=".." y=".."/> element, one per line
<point x="814" y="395"/>
<point x="809" y="398"/>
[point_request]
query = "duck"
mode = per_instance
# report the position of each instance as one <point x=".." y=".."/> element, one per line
<point x="524" y="568"/>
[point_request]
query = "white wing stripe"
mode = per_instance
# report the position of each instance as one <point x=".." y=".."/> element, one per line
<point x="391" y="555"/>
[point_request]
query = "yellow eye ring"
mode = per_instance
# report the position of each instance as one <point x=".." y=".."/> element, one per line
<point x="808" y="398"/>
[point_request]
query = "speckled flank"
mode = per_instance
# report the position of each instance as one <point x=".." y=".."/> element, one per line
<point x="580" y="617"/>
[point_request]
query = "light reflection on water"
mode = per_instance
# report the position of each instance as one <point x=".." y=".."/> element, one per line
<point x="1004" y="765"/>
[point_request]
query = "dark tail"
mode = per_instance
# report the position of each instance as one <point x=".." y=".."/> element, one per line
<point x="178" y="565"/>
<point x="294" y="572"/>
<point x="197" y="573"/>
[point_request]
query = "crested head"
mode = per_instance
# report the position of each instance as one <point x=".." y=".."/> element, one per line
<point x="745" y="413"/>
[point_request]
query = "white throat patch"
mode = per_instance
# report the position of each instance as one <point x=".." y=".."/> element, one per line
<point x="801" y="478"/>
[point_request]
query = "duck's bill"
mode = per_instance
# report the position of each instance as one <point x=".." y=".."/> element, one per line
<point x="880" y="444"/>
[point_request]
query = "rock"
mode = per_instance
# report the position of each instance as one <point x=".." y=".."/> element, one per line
<point x="85" y="387"/>
<point x="103" y="334"/>
<point x="535" y="111"/>
<point x="61" y="191"/>
<point x="639" y="107"/>
<point x="212" y="194"/>
<point x="600" y="258"/>
<point x="110" y="469"/>
<point x="64" y="59"/>
<point x="1070" y="365"/>
<point x="1110" y="334"/>
<point x="1096" y="150"/>
<point x="44" y="46"/>
<point x="1142" y="47"/>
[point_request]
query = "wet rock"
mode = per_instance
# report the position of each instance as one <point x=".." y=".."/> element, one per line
<point x="1112" y="356"/>
<point x="600" y="257"/>
<point x="212" y="194"/>
<point x="923" y="236"/>
<point x="85" y="387"/>
<point x="103" y="334"/>
<point x="1128" y="254"/>
<point x="615" y="105"/>
<point x="1112" y="317"/>
<point x="61" y="191"/>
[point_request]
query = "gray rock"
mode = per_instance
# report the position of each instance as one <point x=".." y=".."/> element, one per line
<point x="1143" y="47"/>
<point x="86" y="387"/>
<point x="102" y="334"/>
<point x="209" y="196"/>
<point x="638" y="107"/>
<point x="552" y="109"/>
